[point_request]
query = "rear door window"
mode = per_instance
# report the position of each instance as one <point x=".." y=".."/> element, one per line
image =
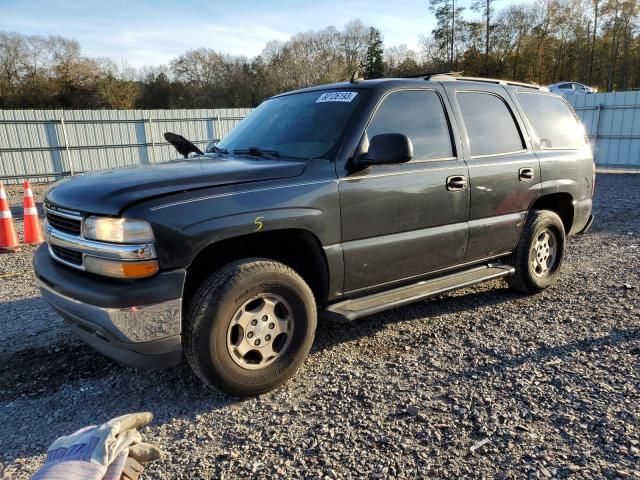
<point x="553" y="121"/>
<point x="490" y="125"/>
<point x="419" y="115"/>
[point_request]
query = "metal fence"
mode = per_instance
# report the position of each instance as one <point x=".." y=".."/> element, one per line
<point x="41" y="144"/>
<point x="46" y="144"/>
<point x="612" y="121"/>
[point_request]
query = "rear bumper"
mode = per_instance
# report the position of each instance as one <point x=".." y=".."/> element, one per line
<point x="582" y="217"/>
<point x="586" y="228"/>
<point x="137" y="323"/>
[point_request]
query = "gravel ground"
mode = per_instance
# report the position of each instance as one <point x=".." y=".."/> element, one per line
<point x="481" y="383"/>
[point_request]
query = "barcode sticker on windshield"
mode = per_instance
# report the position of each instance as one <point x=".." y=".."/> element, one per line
<point x="337" y="97"/>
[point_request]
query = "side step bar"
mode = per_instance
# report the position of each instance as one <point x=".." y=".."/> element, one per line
<point x="349" y="310"/>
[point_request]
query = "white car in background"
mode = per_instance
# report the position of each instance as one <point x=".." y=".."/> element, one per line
<point x="571" y="88"/>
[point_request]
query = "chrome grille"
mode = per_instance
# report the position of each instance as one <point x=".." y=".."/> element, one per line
<point x="68" y="246"/>
<point x="64" y="223"/>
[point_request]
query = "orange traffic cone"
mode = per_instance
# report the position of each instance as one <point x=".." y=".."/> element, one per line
<point x="8" y="237"/>
<point x="32" y="231"/>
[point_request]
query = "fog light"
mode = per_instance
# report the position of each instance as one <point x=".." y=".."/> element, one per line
<point x="116" y="269"/>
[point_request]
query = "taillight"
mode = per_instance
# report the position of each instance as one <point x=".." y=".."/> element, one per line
<point x="593" y="181"/>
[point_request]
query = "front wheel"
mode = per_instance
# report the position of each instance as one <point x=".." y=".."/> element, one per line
<point x="250" y="326"/>
<point x="540" y="252"/>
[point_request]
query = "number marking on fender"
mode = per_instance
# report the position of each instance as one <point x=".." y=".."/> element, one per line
<point x="258" y="224"/>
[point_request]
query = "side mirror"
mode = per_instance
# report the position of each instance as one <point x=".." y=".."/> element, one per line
<point x="387" y="148"/>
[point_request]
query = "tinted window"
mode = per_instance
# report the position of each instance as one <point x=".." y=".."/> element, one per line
<point x="489" y="123"/>
<point x="302" y="125"/>
<point x="418" y="115"/>
<point x="553" y="121"/>
<point x="565" y="86"/>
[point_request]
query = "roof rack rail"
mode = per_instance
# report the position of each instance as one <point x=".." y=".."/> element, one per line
<point x="458" y="76"/>
<point x="431" y="74"/>
<point x="497" y="81"/>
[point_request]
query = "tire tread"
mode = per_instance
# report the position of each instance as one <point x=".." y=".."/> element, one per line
<point x="520" y="280"/>
<point x="212" y="291"/>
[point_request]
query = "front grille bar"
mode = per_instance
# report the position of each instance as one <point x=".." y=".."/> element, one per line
<point x="67" y="255"/>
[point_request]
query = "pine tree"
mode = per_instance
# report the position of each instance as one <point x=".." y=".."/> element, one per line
<point x="484" y="6"/>
<point x="447" y="31"/>
<point x="374" y="63"/>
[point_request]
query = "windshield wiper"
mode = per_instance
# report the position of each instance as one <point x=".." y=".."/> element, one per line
<point x="257" y="152"/>
<point x="219" y="150"/>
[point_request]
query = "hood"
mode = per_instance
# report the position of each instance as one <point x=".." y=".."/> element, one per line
<point x="109" y="192"/>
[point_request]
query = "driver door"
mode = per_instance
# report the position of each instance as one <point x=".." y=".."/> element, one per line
<point x="401" y="221"/>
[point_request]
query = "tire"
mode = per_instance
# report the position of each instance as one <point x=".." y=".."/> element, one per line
<point x="528" y="258"/>
<point x="219" y="327"/>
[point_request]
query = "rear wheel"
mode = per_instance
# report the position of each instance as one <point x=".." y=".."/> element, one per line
<point x="250" y="326"/>
<point x="540" y="252"/>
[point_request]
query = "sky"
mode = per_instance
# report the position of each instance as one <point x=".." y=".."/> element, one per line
<point x="152" y="32"/>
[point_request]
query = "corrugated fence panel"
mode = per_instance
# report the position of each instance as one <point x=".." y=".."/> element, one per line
<point x="54" y="143"/>
<point x="612" y="121"/>
<point x="33" y="130"/>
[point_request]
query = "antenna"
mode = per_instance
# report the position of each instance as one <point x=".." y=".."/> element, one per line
<point x="356" y="77"/>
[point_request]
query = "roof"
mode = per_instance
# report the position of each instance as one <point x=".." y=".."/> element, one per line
<point x="414" y="80"/>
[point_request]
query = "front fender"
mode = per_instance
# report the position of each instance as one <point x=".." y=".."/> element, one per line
<point x="212" y="230"/>
<point x="185" y="224"/>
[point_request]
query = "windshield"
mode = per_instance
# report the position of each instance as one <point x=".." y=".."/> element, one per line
<point x="302" y="125"/>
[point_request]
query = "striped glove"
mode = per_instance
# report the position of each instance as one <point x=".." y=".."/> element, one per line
<point x="100" y="452"/>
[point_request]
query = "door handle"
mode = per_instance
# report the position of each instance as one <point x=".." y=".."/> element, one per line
<point x="525" y="174"/>
<point x="456" y="182"/>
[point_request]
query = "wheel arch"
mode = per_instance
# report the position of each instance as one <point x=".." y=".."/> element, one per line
<point x="298" y="248"/>
<point x="560" y="203"/>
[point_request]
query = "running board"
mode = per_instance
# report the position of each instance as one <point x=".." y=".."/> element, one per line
<point x="349" y="310"/>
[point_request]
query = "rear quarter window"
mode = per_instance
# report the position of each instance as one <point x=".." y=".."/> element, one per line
<point x="552" y="120"/>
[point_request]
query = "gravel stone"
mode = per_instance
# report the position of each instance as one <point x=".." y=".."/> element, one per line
<point x="413" y="410"/>
<point x="552" y="379"/>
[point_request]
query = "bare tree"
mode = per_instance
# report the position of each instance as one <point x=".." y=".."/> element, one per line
<point x="12" y="57"/>
<point x="593" y="41"/>
<point x="353" y="43"/>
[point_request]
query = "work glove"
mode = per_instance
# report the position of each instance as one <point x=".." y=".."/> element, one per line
<point x="100" y="452"/>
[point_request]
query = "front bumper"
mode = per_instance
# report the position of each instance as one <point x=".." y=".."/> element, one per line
<point x="138" y="323"/>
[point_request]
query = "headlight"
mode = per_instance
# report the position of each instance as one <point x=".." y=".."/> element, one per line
<point x="117" y="230"/>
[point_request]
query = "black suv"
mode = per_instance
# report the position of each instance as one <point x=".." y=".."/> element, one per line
<point x="339" y="200"/>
